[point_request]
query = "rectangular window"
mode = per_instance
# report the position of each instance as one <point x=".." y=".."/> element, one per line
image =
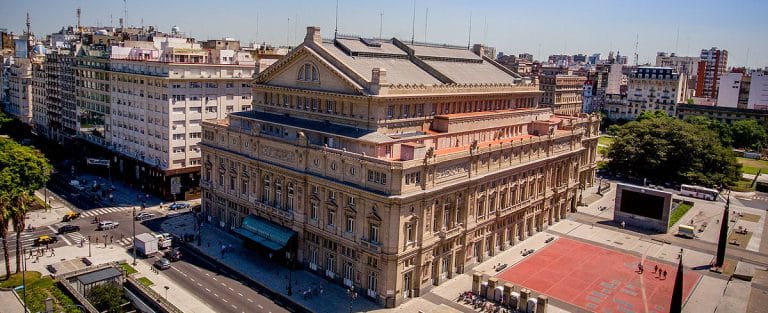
<point x="313" y="210"/>
<point x="373" y="233"/>
<point x="331" y="217"/>
<point x="350" y="224"/>
<point x="409" y="232"/>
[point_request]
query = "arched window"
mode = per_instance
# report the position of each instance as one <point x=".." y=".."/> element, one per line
<point x="308" y="73"/>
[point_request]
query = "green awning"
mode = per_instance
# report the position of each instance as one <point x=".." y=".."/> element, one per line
<point x="265" y="233"/>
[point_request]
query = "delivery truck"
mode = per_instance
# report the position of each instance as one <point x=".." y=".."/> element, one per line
<point x="145" y="244"/>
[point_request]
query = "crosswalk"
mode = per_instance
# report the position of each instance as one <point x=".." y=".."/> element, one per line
<point x="96" y="212"/>
<point x="754" y="198"/>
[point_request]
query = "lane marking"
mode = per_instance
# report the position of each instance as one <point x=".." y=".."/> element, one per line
<point x="249" y="300"/>
<point x="192" y="279"/>
<point x="225" y="300"/>
<point x="208" y="290"/>
<point x="260" y="307"/>
<point x="230" y="289"/>
<point x="215" y="279"/>
<point x="234" y="306"/>
<point x="199" y="284"/>
<point x="239" y="294"/>
<point x="217" y="295"/>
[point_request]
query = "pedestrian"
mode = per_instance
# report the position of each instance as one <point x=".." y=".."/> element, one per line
<point x="53" y="253"/>
<point x="111" y="238"/>
<point x="82" y="242"/>
<point x="30" y="253"/>
<point x="655" y="268"/>
<point x="623" y="224"/>
<point x="665" y="274"/>
<point x="230" y="248"/>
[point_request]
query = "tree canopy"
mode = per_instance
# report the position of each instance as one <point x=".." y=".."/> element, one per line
<point x="107" y="298"/>
<point x="22" y="169"/>
<point x="666" y="149"/>
<point x="748" y="134"/>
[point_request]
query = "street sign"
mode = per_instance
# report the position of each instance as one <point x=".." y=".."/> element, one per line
<point x="98" y="162"/>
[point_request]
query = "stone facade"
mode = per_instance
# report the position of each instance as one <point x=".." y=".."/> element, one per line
<point x="563" y="93"/>
<point x="395" y="179"/>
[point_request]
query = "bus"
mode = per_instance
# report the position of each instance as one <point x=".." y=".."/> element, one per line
<point x="686" y="231"/>
<point x="699" y="192"/>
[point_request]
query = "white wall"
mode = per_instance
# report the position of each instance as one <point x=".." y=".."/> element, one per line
<point x="728" y="90"/>
<point x="758" y="92"/>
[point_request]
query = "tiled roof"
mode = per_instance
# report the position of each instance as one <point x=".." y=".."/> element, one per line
<point x="399" y="70"/>
<point x="318" y="126"/>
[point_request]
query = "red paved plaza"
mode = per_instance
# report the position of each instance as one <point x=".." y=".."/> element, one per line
<point x="597" y="279"/>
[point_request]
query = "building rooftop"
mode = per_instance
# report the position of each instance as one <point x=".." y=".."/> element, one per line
<point x="100" y="275"/>
<point x="318" y="126"/>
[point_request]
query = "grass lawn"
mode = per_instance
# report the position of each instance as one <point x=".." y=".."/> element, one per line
<point x="751" y="166"/>
<point x="145" y="281"/>
<point x="605" y="140"/>
<point x="742" y="186"/>
<point x="679" y="212"/>
<point x="40" y="288"/>
<point x="128" y="269"/>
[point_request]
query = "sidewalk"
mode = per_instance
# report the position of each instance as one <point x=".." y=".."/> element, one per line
<point x="269" y="275"/>
<point x="178" y="296"/>
<point x="10" y="303"/>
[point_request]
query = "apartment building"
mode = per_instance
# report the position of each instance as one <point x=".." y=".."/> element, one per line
<point x="684" y="65"/>
<point x="158" y="100"/>
<point x="390" y="167"/>
<point x="713" y="63"/>
<point x="649" y="89"/>
<point x="562" y="93"/>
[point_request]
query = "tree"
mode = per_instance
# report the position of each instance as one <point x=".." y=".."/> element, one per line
<point x="721" y="129"/>
<point x="651" y="115"/>
<point x="670" y="150"/>
<point x="22" y="171"/>
<point x="107" y="297"/>
<point x="749" y="134"/>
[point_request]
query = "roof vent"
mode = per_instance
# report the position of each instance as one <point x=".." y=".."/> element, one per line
<point x="371" y="42"/>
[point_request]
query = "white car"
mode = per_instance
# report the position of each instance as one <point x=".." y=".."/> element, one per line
<point x="144" y="215"/>
<point x="105" y="225"/>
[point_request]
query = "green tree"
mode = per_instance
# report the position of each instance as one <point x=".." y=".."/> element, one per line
<point x="108" y="297"/>
<point x="670" y="150"/>
<point x="721" y="129"/>
<point x="651" y="115"/>
<point x="748" y="134"/>
<point x="22" y="171"/>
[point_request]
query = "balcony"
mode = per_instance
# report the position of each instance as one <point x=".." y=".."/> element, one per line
<point x="370" y="245"/>
<point x="205" y="184"/>
<point x="450" y="233"/>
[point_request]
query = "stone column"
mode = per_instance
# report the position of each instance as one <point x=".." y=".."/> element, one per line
<point x="508" y="292"/>
<point x="492" y="238"/>
<point x="522" y="305"/>
<point x="492" y="283"/>
<point x="542" y="302"/>
<point x="451" y="268"/>
<point x="515" y="230"/>
<point x="503" y="233"/>
<point x="477" y="279"/>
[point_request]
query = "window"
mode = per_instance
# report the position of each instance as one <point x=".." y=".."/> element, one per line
<point x="232" y="183"/>
<point x="313" y="210"/>
<point x="350" y="224"/>
<point x="243" y="186"/>
<point x="308" y="73"/>
<point x="351" y="201"/>
<point x="290" y="196"/>
<point x="409" y="232"/>
<point x="390" y="111"/>
<point x="352" y="170"/>
<point x="331" y="217"/>
<point x="333" y="166"/>
<point x="265" y="193"/>
<point x="413" y="178"/>
<point x="373" y="233"/>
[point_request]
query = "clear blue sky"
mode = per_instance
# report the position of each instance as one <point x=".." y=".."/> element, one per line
<point x="552" y="26"/>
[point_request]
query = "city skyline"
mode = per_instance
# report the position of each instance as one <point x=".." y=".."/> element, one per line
<point x="601" y="26"/>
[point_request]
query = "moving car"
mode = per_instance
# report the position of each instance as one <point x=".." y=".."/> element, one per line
<point x="178" y="206"/>
<point x="45" y="239"/>
<point x="105" y="225"/>
<point x="163" y="264"/>
<point x="173" y="255"/>
<point x="68" y="229"/>
<point x="70" y="216"/>
<point x="144" y="215"/>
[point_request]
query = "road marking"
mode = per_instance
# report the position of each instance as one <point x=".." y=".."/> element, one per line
<point x="192" y="279"/>
<point x="207" y="274"/>
<point x="234" y="306"/>
<point x="239" y="294"/>
<point x="216" y="295"/>
<point x="225" y="300"/>
<point x="215" y="279"/>
<point x="249" y="300"/>
<point x="199" y="284"/>
<point x="230" y="289"/>
<point x="223" y="284"/>
<point x="260" y="307"/>
<point x="208" y="290"/>
<point x="185" y="274"/>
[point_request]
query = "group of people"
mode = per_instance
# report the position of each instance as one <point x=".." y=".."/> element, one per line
<point x="312" y="291"/>
<point x="226" y="248"/>
<point x="39" y="252"/>
<point x="658" y="271"/>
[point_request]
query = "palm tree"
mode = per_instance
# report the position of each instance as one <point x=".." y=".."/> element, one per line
<point x="18" y="214"/>
<point x="5" y="219"/>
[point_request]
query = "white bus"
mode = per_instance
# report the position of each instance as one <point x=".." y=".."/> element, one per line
<point x="698" y="192"/>
<point x="686" y="231"/>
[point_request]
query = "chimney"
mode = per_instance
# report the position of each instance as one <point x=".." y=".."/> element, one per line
<point x="478" y="49"/>
<point x="378" y="81"/>
<point x="313" y="34"/>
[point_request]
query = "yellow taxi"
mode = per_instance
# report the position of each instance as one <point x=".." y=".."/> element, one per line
<point x="70" y="216"/>
<point x="45" y="239"/>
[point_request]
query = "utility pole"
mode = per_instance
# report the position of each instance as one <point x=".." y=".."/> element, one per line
<point x="381" y="23"/>
<point x="24" y="278"/>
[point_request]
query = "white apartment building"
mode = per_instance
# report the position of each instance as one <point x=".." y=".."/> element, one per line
<point x="758" y="92"/>
<point x="649" y="89"/>
<point x="20" y="90"/>
<point x="159" y="98"/>
<point x="683" y="65"/>
<point x="729" y="89"/>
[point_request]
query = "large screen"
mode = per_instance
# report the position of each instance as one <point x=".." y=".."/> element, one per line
<point x="642" y="204"/>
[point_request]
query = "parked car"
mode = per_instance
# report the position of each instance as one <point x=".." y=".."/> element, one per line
<point x="70" y="216"/>
<point x="105" y="225"/>
<point x="144" y="215"/>
<point x="45" y="239"/>
<point x="178" y="206"/>
<point x="68" y="229"/>
<point x="163" y="264"/>
<point x="173" y="255"/>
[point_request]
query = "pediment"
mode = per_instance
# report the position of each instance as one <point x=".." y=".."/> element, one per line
<point x="285" y="73"/>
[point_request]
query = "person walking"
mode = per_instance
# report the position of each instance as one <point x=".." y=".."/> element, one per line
<point x="665" y="274"/>
<point x="655" y="268"/>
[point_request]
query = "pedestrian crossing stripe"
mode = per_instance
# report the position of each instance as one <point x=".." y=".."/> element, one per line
<point x="101" y="211"/>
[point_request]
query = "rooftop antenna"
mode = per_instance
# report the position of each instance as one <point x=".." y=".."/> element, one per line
<point x="413" y="24"/>
<point x="426" y="18"/>
<point x="637" y="56"/>
<point x="288" y="34"/>
<point x="336" y="29"/>
<point x="78" y="18"/>
<point x="29" y="34"/>
<point x="485" y="30"/>
<point x="469" y="36"/>
<point x="381" y="23"/>
<point x="125" y="12"/>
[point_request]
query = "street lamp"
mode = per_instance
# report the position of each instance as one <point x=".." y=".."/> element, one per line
<point x="290" y="273"/>
<point x="352" y="296"/>
<point x="166" y="292"/>
<point x="134" y="237"/>
<point x="89" y="246"/>
<point x="24" y="278"/>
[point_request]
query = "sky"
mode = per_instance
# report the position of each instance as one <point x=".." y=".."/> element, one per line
<point x="541" y="28"/>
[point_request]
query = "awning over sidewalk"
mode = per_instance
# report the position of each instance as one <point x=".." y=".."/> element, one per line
<point x="265" y="233"/>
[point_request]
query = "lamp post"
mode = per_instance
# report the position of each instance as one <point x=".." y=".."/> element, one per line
<point x="290" y="273"/>
<point x="166" y="292"/>
<point x="89" y="246"/>
<point x="134" y="237"/>
<point x="352" y="296"/>
<point x="24" y="278"/>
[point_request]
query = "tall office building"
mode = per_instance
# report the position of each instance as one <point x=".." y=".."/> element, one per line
<point x="390" y="167"/>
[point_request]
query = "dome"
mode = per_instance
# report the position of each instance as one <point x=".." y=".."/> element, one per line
<point x="38" y="49"/>
<point x="175" y="29"/>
